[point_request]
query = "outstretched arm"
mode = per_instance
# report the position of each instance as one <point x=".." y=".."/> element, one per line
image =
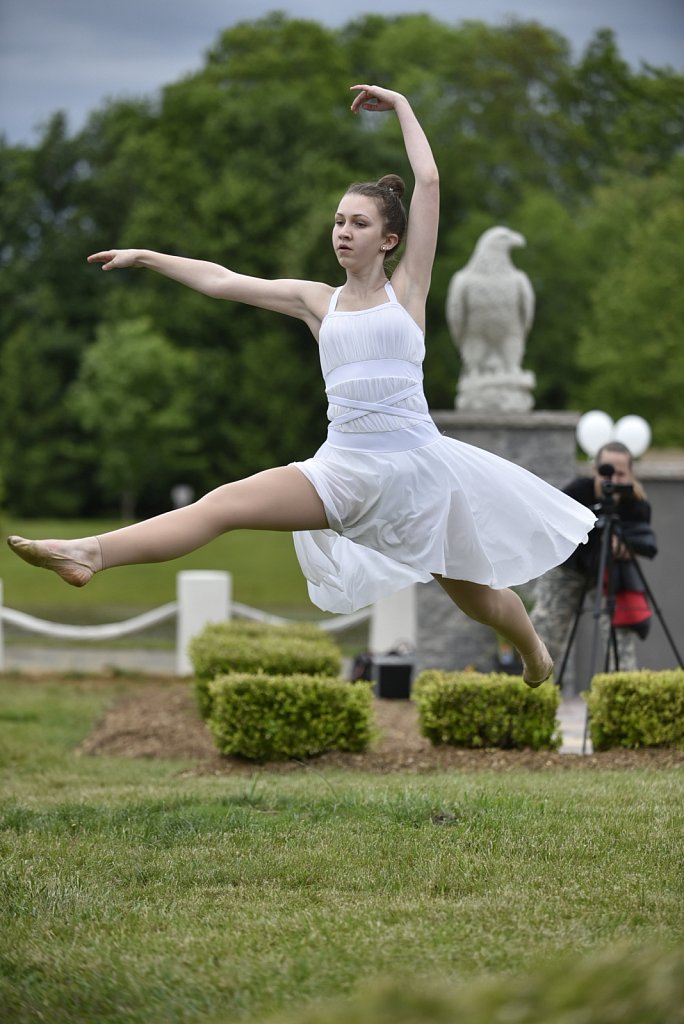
<point x="306" y="300"/>
<point x="411" y="279"/>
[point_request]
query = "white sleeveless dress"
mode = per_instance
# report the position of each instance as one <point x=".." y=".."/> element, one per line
<point x="403" y="501"/>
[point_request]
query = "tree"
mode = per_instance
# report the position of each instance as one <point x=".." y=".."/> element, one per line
<point x="135" y="395"/>
<point x="630" y="348"/>
<point x="44" y="458"/>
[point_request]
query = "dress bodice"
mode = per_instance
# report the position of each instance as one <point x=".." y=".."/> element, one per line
<point x="372" y="365"/>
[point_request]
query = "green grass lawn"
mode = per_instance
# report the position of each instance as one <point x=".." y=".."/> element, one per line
<point x="264" y="567"/>
<point x="136" y="891"/>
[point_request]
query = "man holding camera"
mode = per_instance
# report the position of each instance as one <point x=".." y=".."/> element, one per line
<point x="619" y="501"/>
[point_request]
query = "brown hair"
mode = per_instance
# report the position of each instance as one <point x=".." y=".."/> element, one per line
<point x="387" y="192"/>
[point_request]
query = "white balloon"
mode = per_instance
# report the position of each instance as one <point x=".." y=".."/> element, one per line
<point x="634" y="432"/>
<point x="594" y="429"/>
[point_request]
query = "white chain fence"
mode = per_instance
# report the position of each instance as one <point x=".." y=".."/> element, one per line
<point x="203" y="597"/>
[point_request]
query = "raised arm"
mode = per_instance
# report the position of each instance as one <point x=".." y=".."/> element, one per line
<point x="411" y="279"/>
<point x="306" y="300"/>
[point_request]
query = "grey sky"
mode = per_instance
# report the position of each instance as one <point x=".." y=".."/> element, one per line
<point x="72" y="54"/>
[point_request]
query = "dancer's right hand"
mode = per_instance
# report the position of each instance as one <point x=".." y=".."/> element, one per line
<point x="115" y="259"/>
<point x="374" y="98"/>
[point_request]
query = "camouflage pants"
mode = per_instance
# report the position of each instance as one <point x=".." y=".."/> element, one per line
<point x="557" y="595"/>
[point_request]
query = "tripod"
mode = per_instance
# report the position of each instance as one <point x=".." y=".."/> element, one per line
<point x="608" y="525"/>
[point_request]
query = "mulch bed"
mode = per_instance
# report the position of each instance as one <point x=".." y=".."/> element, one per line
<point x="159" y="719"/>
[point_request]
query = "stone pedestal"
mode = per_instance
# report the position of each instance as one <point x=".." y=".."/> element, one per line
<point x="508" y="392"/>
<point x="542" y="442"/>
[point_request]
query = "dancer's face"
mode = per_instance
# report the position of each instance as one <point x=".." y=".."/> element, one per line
<point x="358" y="233"/>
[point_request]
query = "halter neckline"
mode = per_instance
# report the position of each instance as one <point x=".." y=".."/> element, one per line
<point x="389" y="290"/>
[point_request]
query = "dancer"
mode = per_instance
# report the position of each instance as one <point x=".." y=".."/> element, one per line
<point x="387" y="500"/>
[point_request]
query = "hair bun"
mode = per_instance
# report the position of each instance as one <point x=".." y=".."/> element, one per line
<point x="393" y="183"/>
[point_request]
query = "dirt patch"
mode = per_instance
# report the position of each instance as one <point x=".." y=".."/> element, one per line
<point x="160" y="720"/>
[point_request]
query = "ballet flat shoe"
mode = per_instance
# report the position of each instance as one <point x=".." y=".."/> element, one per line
<point x="37" y="553"/>
<point x="547" y="668"/>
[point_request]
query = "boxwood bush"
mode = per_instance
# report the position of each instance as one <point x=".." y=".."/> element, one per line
<point x="637" y="709"/>
<point x="471" y="709"/>
<point x="257" y="647"/>
<point x="266" y="718"/>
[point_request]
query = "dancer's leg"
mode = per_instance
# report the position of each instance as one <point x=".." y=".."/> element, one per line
<point x="503" y="611"/>
<point x="277" y="499"/>
<point x="557" y="595"/>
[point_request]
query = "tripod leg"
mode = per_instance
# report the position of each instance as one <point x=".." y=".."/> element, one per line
<point x="585" y="734"/>
<point x="654" y="605"/>
<point x="573" y="631"/>
<point x="604" y="566"/>
<point x="613" y="646"/>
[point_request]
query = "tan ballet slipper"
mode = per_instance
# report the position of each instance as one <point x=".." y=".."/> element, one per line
<point x="42" y="553"/>
<point x="537" y="666"/>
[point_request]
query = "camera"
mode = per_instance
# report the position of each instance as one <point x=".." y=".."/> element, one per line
<point x="608" y="488"/>
<point x="610" y="491"/>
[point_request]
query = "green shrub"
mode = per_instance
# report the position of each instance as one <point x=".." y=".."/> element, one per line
<point x="268" y="718"/>
<point x="470" y="709"/>
<point x="227" y="647"/>
<point x="637" y="709"/>
<point x="629" y="986"/>
<point x="250" y="627"/>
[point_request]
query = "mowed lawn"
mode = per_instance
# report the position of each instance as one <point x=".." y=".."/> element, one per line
<point x="140" y="891"/>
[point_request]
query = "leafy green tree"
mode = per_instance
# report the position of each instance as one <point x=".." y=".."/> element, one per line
<point x="45" y="317"/>
<point x="554" y="259"/>
<point x="623" y="118"/>
<point x="134" y="395"/>
<point x="630" y="347"/>
<point x="44" y="458"/>
<point x="47" y="232"/>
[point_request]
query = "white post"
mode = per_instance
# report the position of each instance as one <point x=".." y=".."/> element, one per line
<point x="393" y="622"/>
<point x="203" y="597"/>
<point x="2" y="637"/>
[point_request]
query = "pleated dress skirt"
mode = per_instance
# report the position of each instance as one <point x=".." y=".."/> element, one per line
<point x="444" y="508"/>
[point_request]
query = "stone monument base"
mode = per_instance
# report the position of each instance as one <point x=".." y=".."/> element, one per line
<point x="508" y="392"/>
<point x="542" y="442"/>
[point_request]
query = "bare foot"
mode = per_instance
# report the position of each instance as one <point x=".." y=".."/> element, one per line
<point x="537" y="666"/>
<point x="75" y="561"/>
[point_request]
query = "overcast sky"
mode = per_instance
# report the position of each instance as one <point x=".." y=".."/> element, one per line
<point x="73" y="54"/>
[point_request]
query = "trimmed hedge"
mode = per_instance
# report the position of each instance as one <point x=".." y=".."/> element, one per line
<point x="250" y="627"/>
<point x="267" y="718"/>
<point x="637" y="709"/>
<point x="471" y="709"/>
<point x="254" y="647"/>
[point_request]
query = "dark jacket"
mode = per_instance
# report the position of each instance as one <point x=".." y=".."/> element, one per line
<point x="632" y="525"/>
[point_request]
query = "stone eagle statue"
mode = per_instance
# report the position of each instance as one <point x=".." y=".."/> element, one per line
<point x="489" y="311"/>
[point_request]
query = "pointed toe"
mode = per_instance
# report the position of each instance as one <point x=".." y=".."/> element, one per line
<point x="43" y="555"/>
<point x="539" y="668"/>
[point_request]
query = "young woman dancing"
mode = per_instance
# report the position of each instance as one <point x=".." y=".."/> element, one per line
<point x="387" y="500"/>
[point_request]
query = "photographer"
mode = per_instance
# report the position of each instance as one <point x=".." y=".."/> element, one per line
<point x="612" y="490"/>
